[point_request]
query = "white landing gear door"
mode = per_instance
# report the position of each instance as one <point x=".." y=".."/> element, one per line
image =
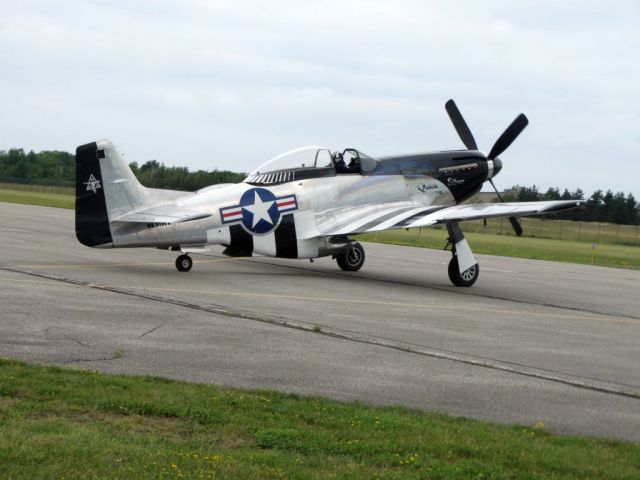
<point x="466" y="260"/>
<point x="461" y="247"/>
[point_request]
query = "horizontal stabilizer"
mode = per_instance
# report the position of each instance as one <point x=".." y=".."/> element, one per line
<point x="162" y="214"/>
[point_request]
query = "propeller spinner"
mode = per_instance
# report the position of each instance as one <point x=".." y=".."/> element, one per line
<point x="504" y="141"/>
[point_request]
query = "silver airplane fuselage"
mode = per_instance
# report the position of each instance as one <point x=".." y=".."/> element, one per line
<point x="431" y="179"/>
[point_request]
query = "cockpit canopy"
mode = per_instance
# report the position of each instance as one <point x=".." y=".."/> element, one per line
<point x="306" y="162"/>
<point x="305" y="157"/>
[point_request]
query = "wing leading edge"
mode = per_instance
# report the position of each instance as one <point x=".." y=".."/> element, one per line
<point x="410" y="216"/>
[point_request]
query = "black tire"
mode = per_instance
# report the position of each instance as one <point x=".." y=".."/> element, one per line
<point x="464" y="279"/>
<point x="184" y="263"/>
<point x="352" y="259"/>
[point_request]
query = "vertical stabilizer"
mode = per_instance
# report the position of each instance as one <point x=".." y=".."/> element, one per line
<point x="105" y="189"/>
<point x="122" y="190"/>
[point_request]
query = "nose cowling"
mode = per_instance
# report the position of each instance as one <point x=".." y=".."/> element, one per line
<point x="494" y="167"/>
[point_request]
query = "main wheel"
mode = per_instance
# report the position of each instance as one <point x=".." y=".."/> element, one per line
<point x="352" y="259"/>
<point x="464" y="279"/>
<point x="184" y="263"/>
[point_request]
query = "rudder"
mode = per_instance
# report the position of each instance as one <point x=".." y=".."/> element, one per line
<point x="92" y="220"/>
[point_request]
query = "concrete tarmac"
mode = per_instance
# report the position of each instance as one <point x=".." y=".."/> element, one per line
<point x="531" y="342"/>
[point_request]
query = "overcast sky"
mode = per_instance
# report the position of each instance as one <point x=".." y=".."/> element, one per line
<point x="227" y="85"/>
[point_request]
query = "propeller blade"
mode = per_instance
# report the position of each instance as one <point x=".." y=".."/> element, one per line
<point x="497" y="192"/>
<point x="508" y="136"/>
<point x="514" y="221"/>
<point x="516" y="226"/>
<point x="460" y="125"/>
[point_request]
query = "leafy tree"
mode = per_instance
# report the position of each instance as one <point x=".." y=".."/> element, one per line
<point x="609" y="207"/>
<point x="632" y="208"/>
<point x="58" y="168"/>
<point x="552" y="194"/>
<point x="527" y="194"/>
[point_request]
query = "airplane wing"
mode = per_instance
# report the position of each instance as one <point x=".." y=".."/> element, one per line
<point x="161" y="214"/>
<point x="373" y="218"/>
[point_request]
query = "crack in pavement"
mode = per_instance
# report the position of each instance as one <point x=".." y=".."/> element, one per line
<point x="357" y="337"/>
<point x="82" y="360"/>
<point x="151" y="331"/>
<point x="75" y="340"/>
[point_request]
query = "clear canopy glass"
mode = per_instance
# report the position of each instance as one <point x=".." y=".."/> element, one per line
<point x="305" y="157"/>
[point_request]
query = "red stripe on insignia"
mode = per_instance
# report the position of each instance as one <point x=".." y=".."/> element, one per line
<point x="286" y="203"/>
<point x="232" y="213"/>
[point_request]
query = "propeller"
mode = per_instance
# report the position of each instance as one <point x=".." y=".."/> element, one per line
<point x="504" y="141"/>
<point x="508" y="136"/>
<point x="460" y="125"/>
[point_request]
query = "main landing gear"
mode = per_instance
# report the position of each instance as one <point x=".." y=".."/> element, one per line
<point x="352" y="259"/>
<point x="464" y="279"/>
<point x="184" y="263"/>
<point x="463" y="267"/>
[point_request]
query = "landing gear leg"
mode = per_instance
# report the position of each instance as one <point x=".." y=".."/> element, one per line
<point x="463" y="267"/>
<point x="184" y="263"/>
<point x="352" y="258"/>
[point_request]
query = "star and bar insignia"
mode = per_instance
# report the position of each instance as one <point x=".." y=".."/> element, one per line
<point x="259" y="210"/>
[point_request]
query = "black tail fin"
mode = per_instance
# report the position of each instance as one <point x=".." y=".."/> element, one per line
<point x="92" y="220"/>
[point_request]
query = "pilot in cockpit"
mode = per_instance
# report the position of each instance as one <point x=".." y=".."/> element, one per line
<point x="338" y="161"/>
<point x="354" y="166"/>
<point x="342" y="167"/>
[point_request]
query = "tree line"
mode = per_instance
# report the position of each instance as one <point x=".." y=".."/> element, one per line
<point x="52" y="167"/>
<point x="59" y="168"/>
<point x="158" y="175"/>
<point x="601" y="206"/>
<point x="47" y="167"/>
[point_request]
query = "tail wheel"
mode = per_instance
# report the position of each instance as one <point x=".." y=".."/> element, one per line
<point x="184" y="263"/>
<point x="464" y="279"/>
<point x="352" y="259"/>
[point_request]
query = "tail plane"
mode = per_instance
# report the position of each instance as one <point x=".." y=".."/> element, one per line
<point x="112" y="204"/>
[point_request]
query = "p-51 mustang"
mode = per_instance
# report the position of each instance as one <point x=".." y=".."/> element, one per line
<point x="306" y="203"/>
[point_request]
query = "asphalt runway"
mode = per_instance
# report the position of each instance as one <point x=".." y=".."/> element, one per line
<point x="531" y="342"/>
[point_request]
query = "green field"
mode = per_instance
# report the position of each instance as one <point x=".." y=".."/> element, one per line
<point x="30" y="187"/>
<point x="543" y="227"/>
<point x="61" y="423"/>
<point x="60" y="197"/>
<point x="544" y="239"/>
<point x="522" y="247"/>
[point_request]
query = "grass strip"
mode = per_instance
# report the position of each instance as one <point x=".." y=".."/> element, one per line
<point x="64" y="423"/>
<point x="46" y="199"/>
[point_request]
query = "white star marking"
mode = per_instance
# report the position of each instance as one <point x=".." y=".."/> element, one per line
<point x="93" y="184"/>
<point x="259" y="209"/>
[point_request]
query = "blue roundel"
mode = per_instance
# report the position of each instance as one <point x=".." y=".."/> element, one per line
<point x="259" y="210"/>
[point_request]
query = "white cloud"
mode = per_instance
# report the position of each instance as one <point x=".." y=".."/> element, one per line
<point x="229" y="84"/>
